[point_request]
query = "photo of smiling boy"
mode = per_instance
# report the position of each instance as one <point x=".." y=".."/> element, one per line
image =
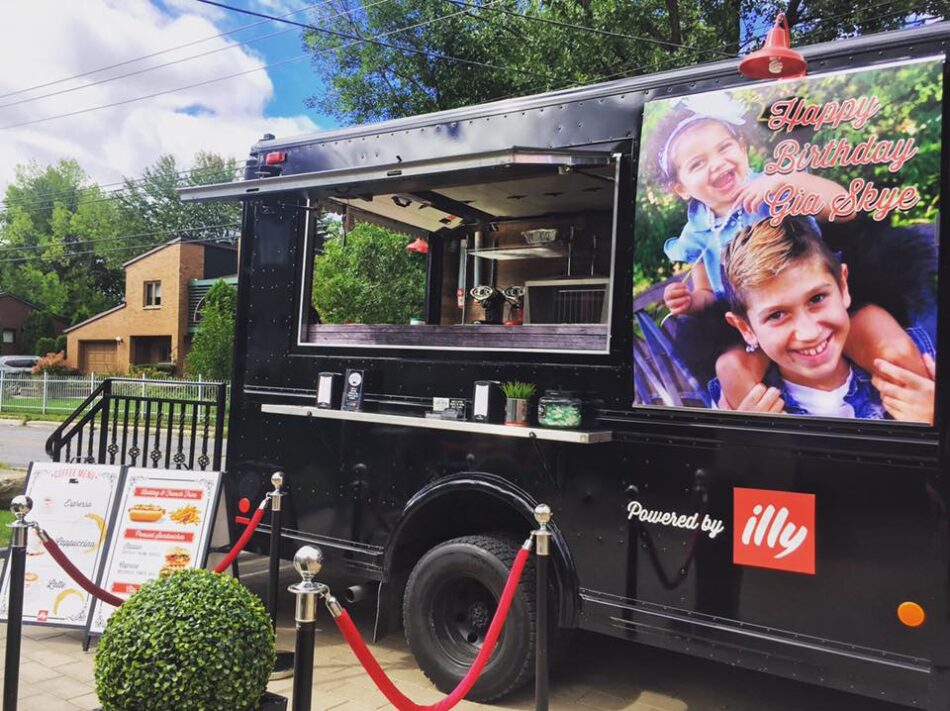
<point x="789" y="297"/>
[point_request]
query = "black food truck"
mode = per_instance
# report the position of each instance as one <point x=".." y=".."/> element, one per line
<point x="725" y="294"/>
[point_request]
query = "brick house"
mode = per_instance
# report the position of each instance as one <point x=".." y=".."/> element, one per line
<point x="156" y="322"/>
<point x="13" y="314"/>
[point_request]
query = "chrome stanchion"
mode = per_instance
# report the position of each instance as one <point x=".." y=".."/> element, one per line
<point x="308" y="561"/>
<point x="20" y="506"/>
<point x="542" y="539"/>
<point x="284" y="661"/>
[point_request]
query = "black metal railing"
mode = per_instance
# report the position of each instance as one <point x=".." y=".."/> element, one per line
<point x="162" y="424"/>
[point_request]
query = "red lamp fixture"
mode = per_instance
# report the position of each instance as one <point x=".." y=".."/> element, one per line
<point x="418" y="246"/>
<point x="777" y="59"/>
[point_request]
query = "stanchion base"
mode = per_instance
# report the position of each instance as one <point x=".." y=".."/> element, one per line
<point x="283" y="666"/>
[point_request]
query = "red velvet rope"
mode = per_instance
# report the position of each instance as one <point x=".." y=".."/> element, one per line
<point x="242" y="541"/>
<point x="76" y="574"/>
<point x="90" y="587"/>
<point x="400" y="700"/>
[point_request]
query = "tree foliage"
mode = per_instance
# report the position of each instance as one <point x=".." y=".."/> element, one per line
<point x="57" y="241"/>
<point x="37" y="327"/>
<point x="517" y="47"/>
<point x="149" y="205"/>
<point x="211" y="352"/>
<point x="63" y="240"/>
<point x="367" y="276"/>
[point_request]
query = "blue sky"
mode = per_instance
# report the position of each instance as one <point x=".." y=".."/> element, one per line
<point x="295" y="82"/>
<point x="169" y="96"/>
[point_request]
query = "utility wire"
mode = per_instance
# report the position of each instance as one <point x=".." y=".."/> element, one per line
<point x="861" y="10"/>
<point x="376" y="39"/>
<point x="153" y="95"/>
<point x="153" y="54"/>
<point x="356" y="39"/>
<point x="673" y="60"/>
<point x="177" y="231"/>
<point x="185" y="59"/>
<point x="6" y="248"/>
<point x="820" y="21"/>
<point x="584" y="28"/>
<point x="49" y="201"/>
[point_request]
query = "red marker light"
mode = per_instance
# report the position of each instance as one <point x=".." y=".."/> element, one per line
<point x="244" y="505"/>
<point x="275" y="158"/>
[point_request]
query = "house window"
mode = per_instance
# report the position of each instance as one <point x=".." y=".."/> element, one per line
<point x="9" y="335"/>
<point x="153" y="294"/>
<point x="514" y="257"/>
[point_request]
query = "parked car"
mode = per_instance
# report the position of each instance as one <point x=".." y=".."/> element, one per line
<point x="18" y="363"/>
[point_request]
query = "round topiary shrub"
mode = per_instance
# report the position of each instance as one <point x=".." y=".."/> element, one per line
<point x="191" y="641"/>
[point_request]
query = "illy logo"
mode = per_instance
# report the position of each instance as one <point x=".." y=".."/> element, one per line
<point x="774" y="529"/>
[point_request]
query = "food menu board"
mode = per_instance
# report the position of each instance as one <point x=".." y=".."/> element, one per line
<point x="163" y="523"/>
<point x="75" y="504"/>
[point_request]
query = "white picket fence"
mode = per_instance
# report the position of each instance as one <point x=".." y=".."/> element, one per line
<point x="25" y="393"/>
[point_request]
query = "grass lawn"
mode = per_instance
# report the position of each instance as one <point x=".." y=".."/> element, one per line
<point x="34" y="405"/>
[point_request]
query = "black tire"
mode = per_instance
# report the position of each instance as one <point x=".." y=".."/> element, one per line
<point x="450" y="599"/>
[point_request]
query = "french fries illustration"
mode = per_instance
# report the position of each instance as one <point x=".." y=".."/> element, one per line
<point x="186" y="515"/>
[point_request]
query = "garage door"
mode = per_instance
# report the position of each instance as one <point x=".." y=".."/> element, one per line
<point x="97" y="356"/>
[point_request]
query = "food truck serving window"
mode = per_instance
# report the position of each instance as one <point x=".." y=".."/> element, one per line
<point x="510" y="253"/>
<point x="786" y="246"/>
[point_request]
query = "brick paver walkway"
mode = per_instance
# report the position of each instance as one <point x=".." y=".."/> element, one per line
<point x="600" y="674"/>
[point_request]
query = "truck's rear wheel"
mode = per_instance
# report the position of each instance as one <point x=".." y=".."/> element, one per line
<point x="449" y="603"/>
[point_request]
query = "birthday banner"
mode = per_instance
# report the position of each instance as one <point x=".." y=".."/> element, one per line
<point x="786" y="246"/>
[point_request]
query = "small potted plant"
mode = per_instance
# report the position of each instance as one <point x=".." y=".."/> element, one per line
<point x="516" y="407"/>
<point x="189" y="640"/>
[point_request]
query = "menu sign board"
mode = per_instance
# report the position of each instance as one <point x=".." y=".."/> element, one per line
<point x="75" y="504"/>
<point x="163" y="523"/>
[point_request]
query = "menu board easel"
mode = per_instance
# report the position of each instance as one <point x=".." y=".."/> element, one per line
<point x="75" y="504"/>
<point x="164" y="520"/>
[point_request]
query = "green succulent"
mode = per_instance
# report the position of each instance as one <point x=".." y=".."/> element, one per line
<point x="191" y="641"/>
<point x="517" y="390"/>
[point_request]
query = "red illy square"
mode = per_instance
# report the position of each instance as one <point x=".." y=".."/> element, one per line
<point x="774" y="529"/>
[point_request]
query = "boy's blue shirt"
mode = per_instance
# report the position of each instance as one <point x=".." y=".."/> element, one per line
<point x="861" y="395"/>
<point x="699" y="237"/>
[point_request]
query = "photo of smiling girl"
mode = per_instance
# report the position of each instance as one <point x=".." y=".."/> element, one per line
<point x="789" y="298"/>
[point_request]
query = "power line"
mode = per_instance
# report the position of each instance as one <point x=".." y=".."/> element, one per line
<point x="594" y="30"/>
<point x="49" y="201"/>
<point x="183" y="59"/>
<point x="376" y="38"/>
<point x="149" y="56"/>
<point x="145" y="245"/>
<point x="861" y="10"/>
<point x="9" y="248"/>
<point x="673" y="60"/>
<point x="355" y="40"/>
<point x="152" y="95"/>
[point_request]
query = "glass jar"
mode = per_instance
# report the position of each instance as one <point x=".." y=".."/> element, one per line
<point x="558" y="408"/>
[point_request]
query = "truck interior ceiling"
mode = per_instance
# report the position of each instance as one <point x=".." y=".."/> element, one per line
<point x="515" y="253"/>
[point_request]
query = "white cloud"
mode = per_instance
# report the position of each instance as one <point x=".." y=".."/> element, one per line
<point x="50" y="39"/>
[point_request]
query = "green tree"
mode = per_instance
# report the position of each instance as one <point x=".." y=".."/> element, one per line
<point x="38" y="327"/>
<point x="149" y="205"/>
<point x="57" y="241"/>
<point x="517" y="47"/>
<point x="367" y="276"/>
<point x="211" y="352"/>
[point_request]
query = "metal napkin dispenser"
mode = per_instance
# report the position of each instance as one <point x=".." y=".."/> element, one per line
<point x="488" y="402"/>
<point x="329" y="390"/>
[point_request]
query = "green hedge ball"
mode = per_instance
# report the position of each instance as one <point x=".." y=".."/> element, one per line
<point x="191" y="641"/>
